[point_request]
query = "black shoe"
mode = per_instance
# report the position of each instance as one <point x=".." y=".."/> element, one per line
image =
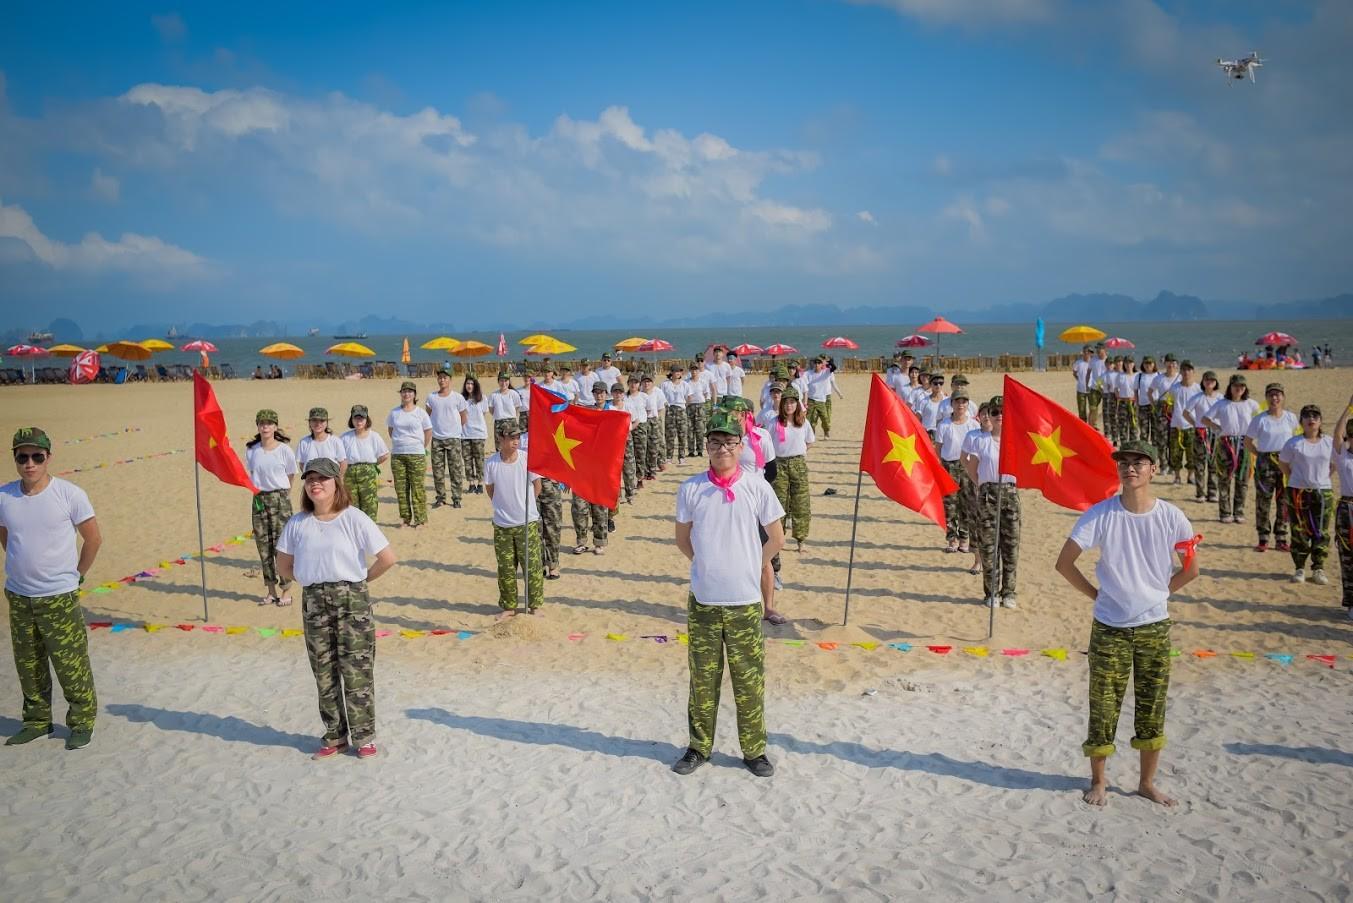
<point x="29" y="734"/>
<point x="689" y="762"/>
<point x="760" y="766"/>
<point x="439" y="504"/>
<point x="456" y="503"/>
<point x="610" y="526"/>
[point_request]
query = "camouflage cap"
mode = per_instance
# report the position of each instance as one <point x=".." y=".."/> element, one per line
<point x="358" y="410"/>
<point x="1310" y="410"/>
<point x="646" y="377"/>
<point x="724" y="422"/>
<point x="1186" y="364"/>
<point x="442" y="371"/>
<point x="1210" y="374"/>
<point x="318" y="414"/>
<point x="1148" y="359"/>
<point x="1169" y="357"/>
<point x="507" y="428"/>
<point x="325" y="467"/>
<point x="598" y="388"/>
<point x="1087" y="349"/>
<point x="779" y="371"/>
<point x="1135" y="447"/>
<point x="958" y="395"/>
<point x="606" y="356"/>
<point x="790" y="393"/>
<point x="1237" y="379"/>
<point x="1274" y="387"/>
<point x="32" y="435"/>
<point x="777" y="387"/>
<point x="503" y="374"/>
<point x="617" y="388"/>
<point x="996" y="406"/>
<point x="736" y="404"/>
<point x="266" y="415"/>
<point x="633" y="378"/>
<point x="408" y="386"/>
<point x="959" y="380"/>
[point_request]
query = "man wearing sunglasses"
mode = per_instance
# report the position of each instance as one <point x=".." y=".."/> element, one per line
<point x="39" y="517"/>
<point x="1138" y="537"/>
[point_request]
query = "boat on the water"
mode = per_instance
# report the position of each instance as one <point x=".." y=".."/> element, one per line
<point x="37" y="338"/>
<point x="360" y="335"/>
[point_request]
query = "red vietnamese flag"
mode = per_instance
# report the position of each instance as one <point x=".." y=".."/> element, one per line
<point x="898" y="454"/>
<point x="580" y="447"/>
<point x="212" y="441"/>
<point x="1046" y="447"/>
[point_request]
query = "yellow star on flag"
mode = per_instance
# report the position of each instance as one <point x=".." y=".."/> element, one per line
<point x="903" y="451"/>
<point x="1050" y="451"/>
<point x="565" y="445"/>
<point x="211" y="443"/>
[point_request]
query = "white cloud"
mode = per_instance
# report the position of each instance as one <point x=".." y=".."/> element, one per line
<point x="972" y="13"/>
<point x="104" y="187"/>
<point x="964" y="210"/>
<point x="865" y="216"/>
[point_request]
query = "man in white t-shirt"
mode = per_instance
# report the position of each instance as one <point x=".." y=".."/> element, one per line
<point x="516" y="521"/>
<point x="446" y="408"/>
<point x="1099" y="368"/>
<point x="586" y="379"/>
<point x="675" y="391"/>
<point x="1081" y="371"/>
<point x="40" y="516"/>
<point x="717" y="516"/>
<point x="1138" y="536"/>
<point x="608" y="373"/>
<point x="735" y="375"/>
<point x="821" y="385"/>
<point x="719" y="371"/>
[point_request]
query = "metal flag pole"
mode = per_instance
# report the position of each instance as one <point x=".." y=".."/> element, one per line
<point x="854" y="524"/>
<point x="995" y="559"/>
<point x="201" y="541"/>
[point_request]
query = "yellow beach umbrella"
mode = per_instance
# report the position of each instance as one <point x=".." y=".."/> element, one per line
<point x="155" y="345"/>
<point x="1081" y="334"/>
<point x="66" y="350"/>
<point x="283" y="351"/>
<point x="350" y="349"/>
<point x="532" y="341"/>
<point x="471" y="349"/>
<point x="550" y="348"/>
<point x="630" y="344"/>
<point x="129" y="351"/>
<point x="441" y="343"/>
<point x="102" y="349"/>
<point x="404" y="353"/>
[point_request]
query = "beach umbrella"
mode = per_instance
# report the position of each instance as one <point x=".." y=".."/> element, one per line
<point x="200" y="345"/>
<point x="350" y="349"/>
<point x="84" y="367"/>
<point x="841" y="341"/>
<point x="912" y="341"/>
<point x="1118" y="342"/>
<point x="748" y="349"/>
<point x="550" y="348"/>
<point x="654" y="345"/>
<point x="102" y="349"/>
<point x="65" y="350"/>
<point x="1079" y="335"/>
<point x="441" y="343"/>
<point x="129" y="351"/>
<point x="778" y="349"/>
<point x="156" y="345"/>
<point x="502" y="345"/>
<point x="1275" y="338"/>
<point x="938" y="327"/>
<point x="28" y="351"/>
<point x="283" y="351"/>
<point x="472" y="349"/>
<point x="630" y="344"/>
<point x="404" y="354"/>
<point x="532" y="340"/>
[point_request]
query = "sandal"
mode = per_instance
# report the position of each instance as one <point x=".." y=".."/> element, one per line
<point x="268" y="600"/>
<point x="284" y="601"/>
<point x="579" y="550"/>
<point x="599" y="550"/>
<point x="776" y="618"/>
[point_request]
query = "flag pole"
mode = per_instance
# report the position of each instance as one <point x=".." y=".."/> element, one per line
<point x="201" y="541"/>
<point x="854" y="524"/>
<point x="995" y="557"/>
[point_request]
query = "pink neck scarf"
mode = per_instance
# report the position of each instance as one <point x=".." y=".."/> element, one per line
<point x="749" y="425"/>
<point x="779" y="429"/>
<point x="725" y="483"/>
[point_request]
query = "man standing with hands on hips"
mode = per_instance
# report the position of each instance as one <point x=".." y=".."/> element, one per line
<point x="39" y="517"/>
<point x="1138" y="536"/>
<point x="718" y="513"/>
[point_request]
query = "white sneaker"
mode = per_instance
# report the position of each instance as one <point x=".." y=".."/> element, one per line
<point x="1299" y="576"/>
<point x="1318" y="577"/>
<point x="993" y="602"/>
<point x="1009" y="602"/>
<point x="778" y="583"/>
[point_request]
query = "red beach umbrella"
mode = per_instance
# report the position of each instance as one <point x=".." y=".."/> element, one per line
<point x="938" y="327"/>
<point x="1275" y="338"/>
<point x="1118" y="342"/>
<point x="199" y="345"/>
<point x="841" y="341"/>
<point x="747" y="349"/>
<point x="654" y="345"/>
<point x="84" y="367"/>
<point x="778" y="349"/>
<point x="27" y="351"/>
<point x="913" y="341"/>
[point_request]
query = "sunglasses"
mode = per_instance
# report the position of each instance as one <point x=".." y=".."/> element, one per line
<point x="24" y="457"/>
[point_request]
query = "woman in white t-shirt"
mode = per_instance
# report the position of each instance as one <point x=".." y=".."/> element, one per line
<point x="1228" y="419"/>
<point x="272" y="468"/>
<point x="321" y="443"/>
<point x="474" y="435"/>
<point x="326" y="548"/>
<point x="1265" y="437"/>
<point x="410" y="430"/>
<point x="505" y="403"/>
<point x="998" y="510"/>
<point x="365" y="451"/>
<point x="1307" y="463"/>
<point x="949" y="436"/>
<point x="1205" y="484"/>
<point x="791" y="435"/>
<point x="1343" y="517"/>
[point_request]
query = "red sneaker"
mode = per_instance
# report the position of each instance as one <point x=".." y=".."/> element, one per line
<point x="1262" y="547"/>
<point x="366" y="751"/>
<point x="329" y="752"/>
<point x="1283" y="546"/>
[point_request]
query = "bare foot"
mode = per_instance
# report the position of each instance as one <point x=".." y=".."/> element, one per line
<point x="1150" y="792"/>
<point x="1097" y="795"/>
<point x="504" y="615"/>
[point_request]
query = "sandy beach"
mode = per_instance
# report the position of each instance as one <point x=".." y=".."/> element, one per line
<point x="520" y="763"/>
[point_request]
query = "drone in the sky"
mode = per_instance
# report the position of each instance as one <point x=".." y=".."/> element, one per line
<point x="1239" y="69"/>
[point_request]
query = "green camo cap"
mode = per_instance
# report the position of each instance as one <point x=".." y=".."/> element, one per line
<point x="358" y="410"/>
<point x="32" y="435"/>
<point x="959" y="380"/>
<point x="503" y="374"/>
<point x="790" y="392"/>
<point x="442" y="371"/>
<point x="409" y="386"/>
<point x="318" y="414"/>
<point x="724" y="422"/>
<point x="1136" y="447"/>
<point x="1210" y="374"/>
<point x="598" y="388"/>
<point x="958" y="395"/>
<point x="1238" y="379"/>
<point x="266" y="415"/>
<point x="325" y="467"/>
<point x="508" y="428"/>
<point x="735" y="404"/>
<point x="1169" y="357"/>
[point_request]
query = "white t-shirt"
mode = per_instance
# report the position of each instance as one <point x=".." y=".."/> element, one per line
<point x="565" y="390"/>
<point x="726" y="569"/>
<point x="511" y="490"/>
<point x="735" y="378"/>
<point x="719" y="373"/>
<point x="655" y="402"/>
<point x="747" y="457"/>
<point x="585" y="382"/>
<point x="766" y="416"/>
<point x="987" y="449"/>
<point x="1098" y="367"/>
<point x="1126" y="386"/>
<point x="1183" y="396"/>
<point x="1136" y="559"/>
<point x="366" y="449"/>
<point x="406" y="430"/>
<point x="329" y="551"/>
<point x="444" y="412"/>
<point x="637" y="405"/>
<point x="697" y="389"/>
<point x="800" y="383"/>
<point x="1161" y="385"/>
<point x="308" y="450"/>
<point x="1081" y="369"/>
<point x="820" y="384"/>
<point x="1143" y="382"/>
<point x="1310" y="462"/>
<point x="930" y="411"/>
<point x="270" y="469"/>
<point x="796" y="440"/>
<point x="1233" y="416"/>
<point x="42" y="559"/>
<point x="674" y="391"/>
<point x="1343" y="463"/>
<point x="1200" y="405"/>
<point x="474" y="420"/>
<point x="1271" y="433"/>
<point x="609" y="376"/>
<point x="950" y="435"/>
<point x="505" y="405"/>
<point x="524" y="393"/>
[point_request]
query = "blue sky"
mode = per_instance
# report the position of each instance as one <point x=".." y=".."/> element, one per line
<point x="486" y="164"/>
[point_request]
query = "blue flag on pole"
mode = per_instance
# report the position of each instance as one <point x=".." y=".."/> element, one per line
<point x="1038" y="332"/>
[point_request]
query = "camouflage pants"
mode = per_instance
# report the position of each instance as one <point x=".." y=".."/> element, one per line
<point x="1205" y="476"/>
<point x="695" y="421"/>
<point x="1231" y="470"/>
<point x="791" y="488"/>
<point x="472" y="452"/>
<point x="1343" y="531"/>
<point x="820" y="417"/>
<point x="737" y="628"/>
<point x="524" y="420"/>
<point x="1096" y="399"/>
<point x="363" y="482"/>
<point x="675" y="432"/>
<point x="551" y="505"/>
<point x="410" y="488"/>
<point x="967" y="506"/>
<point x="1180" y="450"/>
<point x="1128" y="427"/>
<point x="955" y="516"/>
<point x="1146" y="424"/>
<point x="519" y="548"/>
<point x="589" y="518"/>
<point x="340" y="640"/>
<point x="629" y="469"/>
<point x="1000" y="561"/>
<point x="1111" y="418"/>
<point x="51" y="629"/>
<point x="272" y="510"/>
<point x="447" y="462"/>
<point x="1269" y="493"/>
<point x="1118" y="654"/>
<point x="658" y="426"/>
<point x="1312" y="511"/>
<point x="652" y="447"/>
<point x="1083" y="406"/>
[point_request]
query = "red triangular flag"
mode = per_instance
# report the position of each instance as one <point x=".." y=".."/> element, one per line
<point x="898" y="454"/>
<point x="212" y="441"/>
<point x="582" y="448"/>
<point x="1046" y="447"/>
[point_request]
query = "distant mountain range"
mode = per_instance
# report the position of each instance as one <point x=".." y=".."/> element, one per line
<point x="1098" y="307"/>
